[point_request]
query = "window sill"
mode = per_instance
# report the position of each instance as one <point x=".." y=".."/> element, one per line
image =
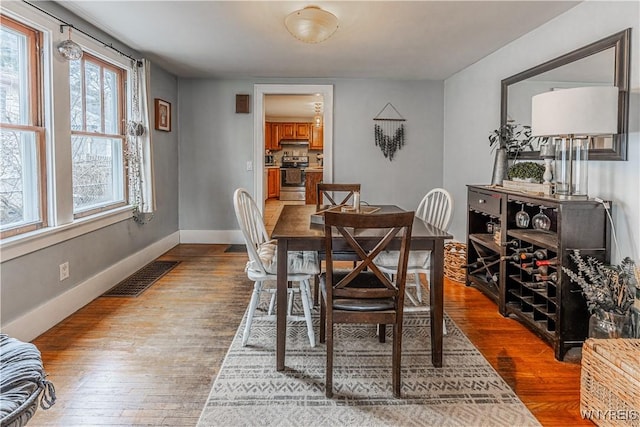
<point x="24" y="244"/>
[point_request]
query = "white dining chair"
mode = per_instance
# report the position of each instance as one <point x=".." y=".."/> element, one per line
<point x="436" y="208"/>
<point x="262" y="266"/>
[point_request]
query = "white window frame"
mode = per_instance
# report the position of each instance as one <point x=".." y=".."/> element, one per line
<point x="62" y="224"/>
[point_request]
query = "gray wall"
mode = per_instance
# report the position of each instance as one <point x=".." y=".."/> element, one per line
<point x="472" y="110"/>
<point x="27" y="282"/>
<point x="215" y="144"/>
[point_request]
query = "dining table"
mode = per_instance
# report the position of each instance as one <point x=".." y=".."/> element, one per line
<point x="295" y="231"/>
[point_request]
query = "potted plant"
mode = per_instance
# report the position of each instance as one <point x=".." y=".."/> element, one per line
<point x="511" y="136"/>
<point x="610" y="292"/>
<point x="526" y="171"/>
<point x="507" y="140"/>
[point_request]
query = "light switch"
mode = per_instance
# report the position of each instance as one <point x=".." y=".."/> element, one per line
<point x="249" y="165"/>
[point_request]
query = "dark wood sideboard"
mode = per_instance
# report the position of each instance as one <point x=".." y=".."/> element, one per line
<point x="542" y="298"/>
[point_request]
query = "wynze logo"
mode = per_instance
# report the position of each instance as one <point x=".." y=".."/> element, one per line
<point x="612" y="415"/>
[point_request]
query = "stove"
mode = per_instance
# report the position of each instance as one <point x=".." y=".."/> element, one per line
<point x="292" y="177"/>
<point x="295" y="162"/>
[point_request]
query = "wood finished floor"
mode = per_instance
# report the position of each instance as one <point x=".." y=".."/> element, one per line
<point x="152" y="360"/>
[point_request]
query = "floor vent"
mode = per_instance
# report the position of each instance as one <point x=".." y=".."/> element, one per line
<point x="236" y="248"/>
<point x="142" y="279"/>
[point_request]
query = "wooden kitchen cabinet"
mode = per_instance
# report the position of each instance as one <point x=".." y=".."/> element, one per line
<point x="267" y="136"/>
<point x="273" y="183"/>
<point x="291" y="131"/>
<point x="316" y="142"/>
<point x="287" y="130"/>
<point x="302" y="130"/>
<point x="311" y="180"/>
<point x="271" y="136"/>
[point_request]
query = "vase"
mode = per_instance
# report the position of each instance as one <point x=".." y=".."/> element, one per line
<point x="606" y="324"/>
<point x="500" y="166"/>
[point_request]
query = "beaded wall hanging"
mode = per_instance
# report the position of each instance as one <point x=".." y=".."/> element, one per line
<point x="388" y="129"/>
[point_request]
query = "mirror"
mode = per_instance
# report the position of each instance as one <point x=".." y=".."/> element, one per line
<point x="605" y="62"/>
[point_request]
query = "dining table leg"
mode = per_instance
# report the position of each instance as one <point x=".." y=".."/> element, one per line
<point x="281" y="303"/>
<point x="436" y="300"/>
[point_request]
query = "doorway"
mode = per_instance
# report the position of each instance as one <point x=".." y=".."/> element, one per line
<point x="260" y="90"/>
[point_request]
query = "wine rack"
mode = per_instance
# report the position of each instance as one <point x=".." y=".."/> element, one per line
<point x="517" y="245"/>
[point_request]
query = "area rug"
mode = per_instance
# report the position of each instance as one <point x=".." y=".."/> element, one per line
<point x="466" y="391"/>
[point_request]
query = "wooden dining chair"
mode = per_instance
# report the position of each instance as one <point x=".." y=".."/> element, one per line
<point x="262" y="267"/>
<point x="342" y="192"/>
<point x="363" y="293"/>
<point x="331" y="191"/>
<point x="435" y="208"/>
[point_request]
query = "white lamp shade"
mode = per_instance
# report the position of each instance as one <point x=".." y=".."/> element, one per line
<point x="583" y="111"/>
<point x="311" y="24"/>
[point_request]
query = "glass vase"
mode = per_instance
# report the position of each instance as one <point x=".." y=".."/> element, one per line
<point x="606" y="324"/>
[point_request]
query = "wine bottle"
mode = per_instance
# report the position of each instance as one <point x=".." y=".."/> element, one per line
<point x="511" y="243"/>
<point x="547" y="262"/>
<point x="540" y="254"/>
<point x="553" y="277"/>
<point x="542" y="270"/>
<point x="480" y="261"/>
<point x="472" y="265"/>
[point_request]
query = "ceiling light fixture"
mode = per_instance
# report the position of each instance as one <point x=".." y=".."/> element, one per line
<point x="69" y="49"/>
<point x="311" y="24"/>
<point x="317" y="119"/>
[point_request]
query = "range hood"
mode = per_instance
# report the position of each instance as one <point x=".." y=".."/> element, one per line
<point x="294" y="142"/>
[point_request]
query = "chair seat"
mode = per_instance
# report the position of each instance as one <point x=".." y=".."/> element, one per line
<point x="365" y="280"/>
<point x="418" y="260"/>
<point x="300" y="262"/>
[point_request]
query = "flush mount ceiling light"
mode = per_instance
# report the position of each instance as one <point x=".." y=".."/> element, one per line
<point x="311" y="24"/>
<point x="69" y="49"/>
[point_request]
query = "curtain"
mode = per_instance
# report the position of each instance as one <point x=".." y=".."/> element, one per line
<point x="140" y="146"/>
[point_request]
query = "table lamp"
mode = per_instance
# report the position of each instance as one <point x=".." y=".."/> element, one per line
<point x="573" y="116"/>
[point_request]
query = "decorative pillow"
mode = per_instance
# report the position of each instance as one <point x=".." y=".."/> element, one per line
<point x="300" y="262"/>
<point x="417" y="259"/>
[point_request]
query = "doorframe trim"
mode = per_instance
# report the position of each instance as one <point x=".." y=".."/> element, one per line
<point x="259" y="91"/>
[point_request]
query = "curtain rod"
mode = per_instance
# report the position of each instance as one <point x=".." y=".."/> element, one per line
<point x="66" y="24"/>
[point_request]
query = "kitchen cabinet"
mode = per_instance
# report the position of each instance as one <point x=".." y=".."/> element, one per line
<point x="312" y="178"/>
<point x="267" y="136"/>
<point x="291" y="131"/>
<point x="273" y="183"/>
<point x="271" y="136"/>
<point x="316" y="142"/>
<point x="302" y="130"/>
<point x="520" y="266"/>
<point x="287" y="130"/>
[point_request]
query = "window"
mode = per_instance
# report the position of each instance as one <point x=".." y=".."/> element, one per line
<point x="22" y="138"/>
<point x="97" y="135"/>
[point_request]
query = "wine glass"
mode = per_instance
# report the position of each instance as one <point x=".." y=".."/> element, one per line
<point x="541" y="221"/>
<point x="522" y="218"/>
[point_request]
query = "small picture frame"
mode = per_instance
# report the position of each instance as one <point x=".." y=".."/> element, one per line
<point x="163" y="115"/>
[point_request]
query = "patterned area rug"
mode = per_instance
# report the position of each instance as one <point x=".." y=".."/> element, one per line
<point x="466" y="391"/>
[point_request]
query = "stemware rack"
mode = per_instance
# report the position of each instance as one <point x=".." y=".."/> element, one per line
<point x="501" y="258"/>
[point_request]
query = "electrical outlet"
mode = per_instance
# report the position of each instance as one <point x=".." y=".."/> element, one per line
<point x="249" y="165"/>
<point x="64" y="270"/>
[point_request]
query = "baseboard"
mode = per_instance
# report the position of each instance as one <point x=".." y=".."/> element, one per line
<point x="41" y="319"/>
<point x="231" y="237"/>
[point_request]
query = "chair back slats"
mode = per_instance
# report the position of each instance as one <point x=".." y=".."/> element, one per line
<point x="251" y="224"/>
<point x="347" y="224"/>
<point x="436" y="208"/>
<point x="328" y="189"/>
<point x="362" y="294"/>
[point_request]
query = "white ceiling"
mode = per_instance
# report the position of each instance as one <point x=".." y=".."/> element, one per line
<point x="375" y="39"/>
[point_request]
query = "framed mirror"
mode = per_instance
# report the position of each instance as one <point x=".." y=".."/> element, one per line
<point x="605" y="62"/>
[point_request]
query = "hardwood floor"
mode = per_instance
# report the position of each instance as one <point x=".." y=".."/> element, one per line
<point x="151" y="360"/>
